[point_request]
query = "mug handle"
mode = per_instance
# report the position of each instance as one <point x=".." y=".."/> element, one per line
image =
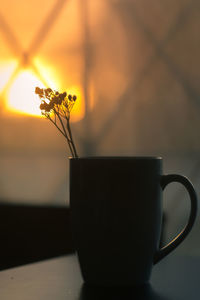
<point x="165" y="180"/>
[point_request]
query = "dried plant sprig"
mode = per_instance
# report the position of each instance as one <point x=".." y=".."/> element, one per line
<point x="56" y="107"/>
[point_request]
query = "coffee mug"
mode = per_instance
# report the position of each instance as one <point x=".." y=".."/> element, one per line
<point x="116" y="215"/>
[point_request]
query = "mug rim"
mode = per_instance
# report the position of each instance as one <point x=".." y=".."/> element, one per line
<point x="116" y="157"/>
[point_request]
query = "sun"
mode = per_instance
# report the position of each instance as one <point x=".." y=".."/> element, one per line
<point x="21" y="96"/>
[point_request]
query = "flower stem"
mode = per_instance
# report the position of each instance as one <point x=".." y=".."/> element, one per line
<point x="65" y="134"/>
<point x="71" y="138"/>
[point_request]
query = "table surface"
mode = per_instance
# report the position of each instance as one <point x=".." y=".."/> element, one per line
<point x="175" y="278"/>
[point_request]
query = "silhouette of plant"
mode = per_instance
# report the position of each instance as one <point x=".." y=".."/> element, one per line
<point x="56" y="107"/>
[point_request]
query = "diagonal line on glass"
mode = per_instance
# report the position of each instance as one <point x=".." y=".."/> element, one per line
<point x="47" y="25"/>
<point x="159" y="52"/>
<point x="9" y="36"/>
<point x="26" y="57"/>
<point x="18" y="51"/>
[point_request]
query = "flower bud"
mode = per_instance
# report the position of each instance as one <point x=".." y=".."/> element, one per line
<point x="38" y="91"/>
<point x="47" y="108"/>
<point x="42" y="106"/>
<point x="59" y="100"/>
<point x="51" y="105"/>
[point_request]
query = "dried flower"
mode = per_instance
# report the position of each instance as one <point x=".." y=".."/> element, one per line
<point x="56" y="107"/>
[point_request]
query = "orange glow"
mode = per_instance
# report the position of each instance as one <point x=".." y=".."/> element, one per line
<point x="78" y="109"/>
<point x="48" y="73"/>
<point x="6" y="70"/>
<point x="51" y="77"/>
<point x="21" y="96"/>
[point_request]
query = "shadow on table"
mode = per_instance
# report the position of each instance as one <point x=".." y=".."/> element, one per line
<point x="140" y="293"/>
<point x="30" y="233"/>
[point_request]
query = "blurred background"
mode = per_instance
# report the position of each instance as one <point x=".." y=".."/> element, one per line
<point x="135" y="67"/>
